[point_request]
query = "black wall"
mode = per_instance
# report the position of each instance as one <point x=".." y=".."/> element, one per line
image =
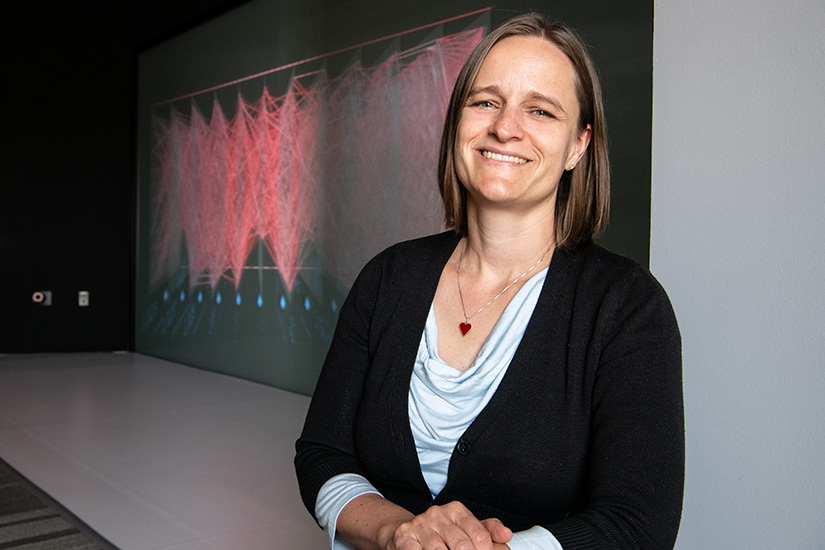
<point x="66" y="214"/>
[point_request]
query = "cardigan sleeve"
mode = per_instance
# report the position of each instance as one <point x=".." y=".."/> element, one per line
<point x="636" y="459"/>
<point x="326" y="447"/>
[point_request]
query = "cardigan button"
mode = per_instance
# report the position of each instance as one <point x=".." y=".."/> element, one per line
<point x="463" y="447"/>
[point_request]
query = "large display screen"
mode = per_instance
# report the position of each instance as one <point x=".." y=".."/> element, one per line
<point x="280" y="147"/>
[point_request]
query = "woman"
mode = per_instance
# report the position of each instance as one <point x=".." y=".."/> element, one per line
<point x="507" y="384"/>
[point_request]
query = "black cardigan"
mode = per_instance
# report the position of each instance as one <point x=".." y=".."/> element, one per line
<point x="584" y="436"/>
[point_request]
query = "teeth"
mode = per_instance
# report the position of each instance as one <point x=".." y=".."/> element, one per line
<point x="503" y="158"/>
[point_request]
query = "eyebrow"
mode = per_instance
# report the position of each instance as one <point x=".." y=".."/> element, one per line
<point x="534" y="96"/>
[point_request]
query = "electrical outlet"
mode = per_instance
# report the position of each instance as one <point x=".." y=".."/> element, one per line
<point x="42" y="297"/>
<point x="83" y="298"/>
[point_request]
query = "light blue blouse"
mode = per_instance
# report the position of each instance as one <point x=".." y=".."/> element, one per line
<point x="443" y="402"/>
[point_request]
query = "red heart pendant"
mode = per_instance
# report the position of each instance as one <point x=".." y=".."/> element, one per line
<point x="465" y="328"/>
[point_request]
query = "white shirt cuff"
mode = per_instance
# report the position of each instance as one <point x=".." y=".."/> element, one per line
<point x="535" y="538"/>
<point x="336" y="493"/>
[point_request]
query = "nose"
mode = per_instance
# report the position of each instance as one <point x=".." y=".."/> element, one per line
<point x="507" y="125"/>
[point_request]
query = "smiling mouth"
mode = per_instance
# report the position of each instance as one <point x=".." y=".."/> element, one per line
<point x="504" y="158"/>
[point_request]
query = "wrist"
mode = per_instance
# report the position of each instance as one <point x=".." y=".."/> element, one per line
<point x="388" y="527"/>
<point x="370" y="521"/>
<point x="386" y="534"/>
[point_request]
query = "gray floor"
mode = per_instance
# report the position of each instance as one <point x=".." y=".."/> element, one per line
<point x="156" y="455"/>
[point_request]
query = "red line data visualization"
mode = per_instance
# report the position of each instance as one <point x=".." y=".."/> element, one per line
<point x="318" y="176"/>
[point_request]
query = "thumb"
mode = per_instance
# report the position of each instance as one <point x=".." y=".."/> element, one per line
<point x="498" y="532"/>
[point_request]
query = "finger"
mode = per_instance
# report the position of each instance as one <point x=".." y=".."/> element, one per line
<point x="468" y="537"/>
<point x="468" y="527"/>
<point x="498" y="531"/>
<point x="478" y="534"/>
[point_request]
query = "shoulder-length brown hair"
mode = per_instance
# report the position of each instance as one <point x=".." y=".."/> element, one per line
<point x="583" y="197"/>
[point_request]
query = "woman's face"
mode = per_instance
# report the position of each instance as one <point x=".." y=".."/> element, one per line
<point x="519" y="128"/>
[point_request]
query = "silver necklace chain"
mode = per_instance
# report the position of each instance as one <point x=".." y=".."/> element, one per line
<point x="496" y="297"/>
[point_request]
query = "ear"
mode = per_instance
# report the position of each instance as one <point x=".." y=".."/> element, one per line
<point x="582" y="142"/>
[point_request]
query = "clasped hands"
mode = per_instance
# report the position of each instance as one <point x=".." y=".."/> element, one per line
<point x="448" y="527"/>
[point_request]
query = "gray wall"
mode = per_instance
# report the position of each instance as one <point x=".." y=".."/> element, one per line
<point x="737" y="213"/>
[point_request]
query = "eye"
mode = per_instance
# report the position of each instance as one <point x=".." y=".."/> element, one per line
<point x="483" y="104"/>
<point x="541" y="113"/>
